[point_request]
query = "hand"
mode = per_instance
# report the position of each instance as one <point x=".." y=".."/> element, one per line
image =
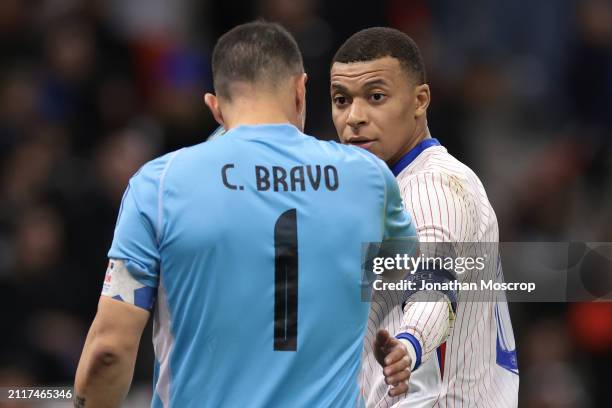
<point x="392" y="355"/>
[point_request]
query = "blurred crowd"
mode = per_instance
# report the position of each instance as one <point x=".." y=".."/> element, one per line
<point x="92" y="89"/>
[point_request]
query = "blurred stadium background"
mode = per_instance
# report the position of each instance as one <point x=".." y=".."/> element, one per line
<point x="90" y="90"/>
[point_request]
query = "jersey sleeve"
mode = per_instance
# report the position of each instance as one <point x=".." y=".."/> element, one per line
<point x="444" y="212"/>
<point x="133" y="272"/>
<point x="425" y="326"/>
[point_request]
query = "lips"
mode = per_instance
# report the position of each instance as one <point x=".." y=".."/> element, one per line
<point x="361" y="142"/>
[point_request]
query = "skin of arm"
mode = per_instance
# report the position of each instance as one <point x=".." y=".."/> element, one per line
<point x="106" y="366"/>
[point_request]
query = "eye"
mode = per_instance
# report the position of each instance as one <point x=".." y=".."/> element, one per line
<point x="378" y="97"/>
<point x="340" y="100"/>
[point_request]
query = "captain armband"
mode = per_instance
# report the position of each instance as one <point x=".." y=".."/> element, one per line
<point x="119" y="284"/>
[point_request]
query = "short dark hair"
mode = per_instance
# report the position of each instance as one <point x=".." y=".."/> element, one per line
<point x="254" y="52"/>
<point x="378" y="42"/>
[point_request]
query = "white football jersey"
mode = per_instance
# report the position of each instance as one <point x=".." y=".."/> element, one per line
<point x="476" y="366"/>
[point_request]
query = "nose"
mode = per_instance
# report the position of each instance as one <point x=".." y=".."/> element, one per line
<point x="357" y="115"/>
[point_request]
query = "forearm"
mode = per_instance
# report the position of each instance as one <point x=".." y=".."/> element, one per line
<point x="428" y="321"/>
<point x="103" y="376"/>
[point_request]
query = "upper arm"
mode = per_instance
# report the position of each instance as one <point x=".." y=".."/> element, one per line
<point x="132" y="276"/>
<point x="117" y="326"/>
<point x="136" y="233"/>
<point x="134" y="268"/>
<point x="446" y="222"/>
<point x="442" y="207"/>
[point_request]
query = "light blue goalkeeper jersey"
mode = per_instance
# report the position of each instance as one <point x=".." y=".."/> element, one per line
<point x="248" y="247"/>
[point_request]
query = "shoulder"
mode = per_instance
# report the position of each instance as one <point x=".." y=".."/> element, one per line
<point x="158" y="169"/>
<point x="146" y="183"/>
<point x="154" y="169"/>
<point x="437" y="168"/>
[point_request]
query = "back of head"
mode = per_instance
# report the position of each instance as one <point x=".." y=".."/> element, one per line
<point x="378" y="42"/>
<point x="257" y="53"/>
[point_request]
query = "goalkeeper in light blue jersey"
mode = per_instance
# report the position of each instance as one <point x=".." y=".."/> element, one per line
<point x="247" y="249"/>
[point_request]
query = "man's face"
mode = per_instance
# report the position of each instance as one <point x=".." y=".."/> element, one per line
<point x="374" y="106"/>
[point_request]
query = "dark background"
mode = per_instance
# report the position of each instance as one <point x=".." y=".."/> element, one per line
<point x="90" y="90"/>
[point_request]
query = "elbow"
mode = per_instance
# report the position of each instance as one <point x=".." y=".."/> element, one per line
<point x="109" y="350"/>
<point x="105" y="357"/>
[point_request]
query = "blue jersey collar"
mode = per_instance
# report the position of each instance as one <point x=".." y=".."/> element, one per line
<point x="409" y="157"/>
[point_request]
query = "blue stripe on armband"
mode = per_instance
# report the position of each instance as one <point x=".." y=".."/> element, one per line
<point x="415" y="343"/>
<point x="145" y="297"/>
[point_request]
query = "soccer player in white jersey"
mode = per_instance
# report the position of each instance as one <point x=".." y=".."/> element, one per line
<point x="462" y="347"/>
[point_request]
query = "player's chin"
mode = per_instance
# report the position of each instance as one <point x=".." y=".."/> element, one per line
<point x="377" y="151"/>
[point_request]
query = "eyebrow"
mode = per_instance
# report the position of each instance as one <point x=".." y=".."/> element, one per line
<point x="370" y="84"/>
<point x="339" y="87"/>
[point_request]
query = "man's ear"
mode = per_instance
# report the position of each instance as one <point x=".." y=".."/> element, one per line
<point x="422" y="99"/>
<point x="300" y="100"/>
<point x="300" y="97"/>
<point x="213" y="104"/>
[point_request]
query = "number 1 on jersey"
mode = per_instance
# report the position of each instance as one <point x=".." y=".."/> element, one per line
<point x="286" y="282"/>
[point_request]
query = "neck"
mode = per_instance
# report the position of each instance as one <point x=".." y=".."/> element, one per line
<point x="255" y="111"/>
<point x="421" y="133"/>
